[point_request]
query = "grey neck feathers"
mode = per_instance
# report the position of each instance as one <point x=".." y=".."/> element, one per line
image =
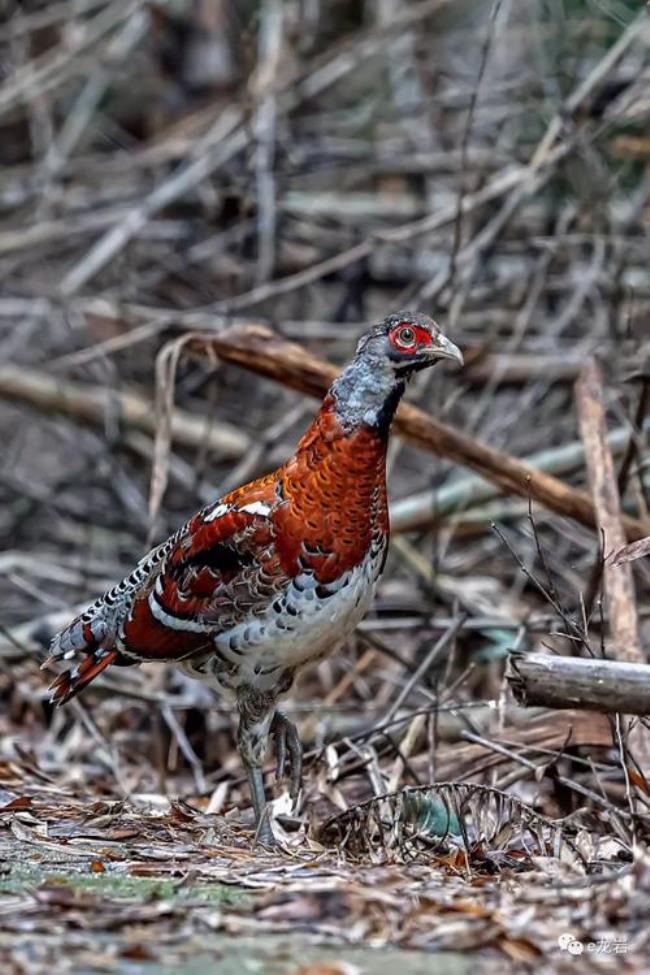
<point x="367" y="393"/>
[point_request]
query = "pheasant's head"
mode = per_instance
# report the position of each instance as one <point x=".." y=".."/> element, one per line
<point x="407" y="342"/>
<point x="369" y="389"/>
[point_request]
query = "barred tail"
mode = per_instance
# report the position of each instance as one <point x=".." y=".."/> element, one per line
<point x="90" y="637"/>
<point x="71" y="682"/>
<point x="84" y="634"/>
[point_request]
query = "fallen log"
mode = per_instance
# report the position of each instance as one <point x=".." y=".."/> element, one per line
<point x="587" y="683"/>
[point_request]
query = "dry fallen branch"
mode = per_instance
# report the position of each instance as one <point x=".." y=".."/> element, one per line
<point x="534" y="732"/>
<point x="428" y="507"/>
<point x="618" y="579"/>
<point x="260" y="350"/>
<point x="630" y="553"/>
<point x="608" y="686"/>
<point x="619" y="584"/>
<point x="93" y="405"/>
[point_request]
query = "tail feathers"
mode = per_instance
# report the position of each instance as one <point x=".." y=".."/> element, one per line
<point x="71" y="682"/>
<point x="85" y="634"/>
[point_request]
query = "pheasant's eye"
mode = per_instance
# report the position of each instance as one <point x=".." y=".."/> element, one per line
<point x="405" y="337"/>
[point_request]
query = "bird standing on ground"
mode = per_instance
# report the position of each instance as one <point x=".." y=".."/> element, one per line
<point x="275" y="574"/>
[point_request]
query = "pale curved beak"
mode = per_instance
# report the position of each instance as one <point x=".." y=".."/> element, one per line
<point x="445" y="349"/>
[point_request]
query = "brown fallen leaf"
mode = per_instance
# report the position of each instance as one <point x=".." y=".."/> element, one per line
<point x="137" y="953"/>
<point x="519" y="949"/>
<point x="17" y="804"/>
<point x="638" y="780"/>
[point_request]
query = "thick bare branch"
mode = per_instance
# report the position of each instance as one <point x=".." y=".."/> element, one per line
<point x="608" y="686"/>
<point x="619" y="584"/>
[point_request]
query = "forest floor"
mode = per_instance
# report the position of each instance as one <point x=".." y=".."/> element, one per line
<point x="151" y="886"/>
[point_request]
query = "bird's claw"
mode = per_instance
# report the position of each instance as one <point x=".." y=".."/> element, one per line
<point x="287" y="742"/>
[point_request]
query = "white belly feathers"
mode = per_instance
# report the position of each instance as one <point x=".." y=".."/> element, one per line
<point x="306" y="623"/>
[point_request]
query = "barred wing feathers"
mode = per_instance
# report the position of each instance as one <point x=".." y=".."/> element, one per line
<point x="206" y="578"/>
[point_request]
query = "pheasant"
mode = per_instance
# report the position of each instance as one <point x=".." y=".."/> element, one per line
<point x="275" y="574"/>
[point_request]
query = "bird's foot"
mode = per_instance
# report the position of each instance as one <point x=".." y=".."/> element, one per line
<point x="287" y="742"/>
<point x="264" y="835"/>
<point x="263" y="831"/>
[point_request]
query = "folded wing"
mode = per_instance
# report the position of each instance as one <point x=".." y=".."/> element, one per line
<point x="219" y="570"/>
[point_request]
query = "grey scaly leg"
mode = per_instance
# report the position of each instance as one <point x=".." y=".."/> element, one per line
<point x="263" y="832"/>
<point x="255" y="716"/>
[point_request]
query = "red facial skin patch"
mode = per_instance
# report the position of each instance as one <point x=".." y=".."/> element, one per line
<point x="408" y="337"/>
